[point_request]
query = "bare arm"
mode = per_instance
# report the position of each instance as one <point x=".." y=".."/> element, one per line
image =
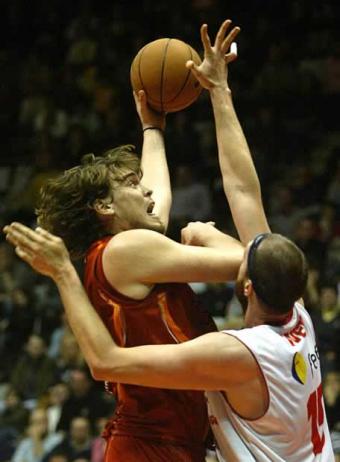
<point x="203" y="363"/>
<point x="149" y="257"/>
<point x="240" y="180"/>
<point x="154" y="164"/>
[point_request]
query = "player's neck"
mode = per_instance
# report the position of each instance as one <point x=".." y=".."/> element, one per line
<point x="258" y="315"/>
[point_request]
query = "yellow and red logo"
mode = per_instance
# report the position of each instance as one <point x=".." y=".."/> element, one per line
<point x="299" y="368"/>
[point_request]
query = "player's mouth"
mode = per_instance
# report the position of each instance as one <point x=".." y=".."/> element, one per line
<point x="150" y="208"/>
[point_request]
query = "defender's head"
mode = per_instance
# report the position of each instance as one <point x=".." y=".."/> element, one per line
<point x="275" y="269"/>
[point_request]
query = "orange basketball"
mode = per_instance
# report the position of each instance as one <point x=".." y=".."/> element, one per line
<point x="159" y="69"/>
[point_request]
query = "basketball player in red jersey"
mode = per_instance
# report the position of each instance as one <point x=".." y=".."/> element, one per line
<point x="113" y="210"/>
<point x="271" y="407"/>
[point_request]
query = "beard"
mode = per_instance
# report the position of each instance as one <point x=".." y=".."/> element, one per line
<point x="239" y="292"/>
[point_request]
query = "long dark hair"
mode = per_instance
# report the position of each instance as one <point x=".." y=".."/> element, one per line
<point x="66" y="202"/>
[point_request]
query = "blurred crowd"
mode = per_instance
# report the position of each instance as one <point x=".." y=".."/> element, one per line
<point x="65" y="92"/>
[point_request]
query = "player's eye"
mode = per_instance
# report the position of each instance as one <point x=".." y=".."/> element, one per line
<point x="133" y="182"/>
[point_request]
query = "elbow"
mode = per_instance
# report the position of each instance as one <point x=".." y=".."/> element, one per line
<point x="100" y="370"/>
<point x="97" y="370"/>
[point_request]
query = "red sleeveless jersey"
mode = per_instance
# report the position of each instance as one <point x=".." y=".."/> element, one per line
<point x="169" y="314"/>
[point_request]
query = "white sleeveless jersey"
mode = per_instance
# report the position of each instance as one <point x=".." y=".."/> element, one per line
<point x="294" y="427"/>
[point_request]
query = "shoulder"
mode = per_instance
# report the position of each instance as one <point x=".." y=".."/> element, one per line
<point x="256" y="339"/>
<point x="136" y="245"/>
<point x="127" y="241"/>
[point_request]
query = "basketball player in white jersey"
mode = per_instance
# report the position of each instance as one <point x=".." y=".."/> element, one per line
<point x="263" y="383"/>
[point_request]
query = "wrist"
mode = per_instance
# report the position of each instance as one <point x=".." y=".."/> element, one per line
<point x="152" y="127"/>
<point x="65" y="275"/>
<point x="221" y="99"/>
<point x="218" y="90"/>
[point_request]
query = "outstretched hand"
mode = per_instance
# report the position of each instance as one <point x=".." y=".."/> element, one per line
<point x="213" y="71"/>
<point x="43" y="251"/>
<point x="148" y="117"/>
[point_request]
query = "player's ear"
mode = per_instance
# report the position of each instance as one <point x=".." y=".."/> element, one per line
<point x="247" y="288"/>
<point x="104" y="206"/>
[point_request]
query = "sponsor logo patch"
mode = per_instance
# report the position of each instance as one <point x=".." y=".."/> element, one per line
<point x="299" y="368"/>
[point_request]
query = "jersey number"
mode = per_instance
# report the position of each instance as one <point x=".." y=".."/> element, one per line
<point x="316" y="414"/>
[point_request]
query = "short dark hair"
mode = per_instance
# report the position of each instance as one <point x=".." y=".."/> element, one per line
<point x="278" y="271"/>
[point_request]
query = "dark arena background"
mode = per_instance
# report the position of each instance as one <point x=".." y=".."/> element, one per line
<point x="65" y="91"/>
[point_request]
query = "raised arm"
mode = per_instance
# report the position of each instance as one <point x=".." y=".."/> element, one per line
<point x="154" y="164"/>
<point x="207" y="358"/>
<point x="240" y="180"/>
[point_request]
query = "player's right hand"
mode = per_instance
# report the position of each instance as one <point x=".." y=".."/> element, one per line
<point x="148" y="117"/>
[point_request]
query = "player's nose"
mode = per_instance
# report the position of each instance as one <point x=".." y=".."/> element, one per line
<point x="146" y="191"/>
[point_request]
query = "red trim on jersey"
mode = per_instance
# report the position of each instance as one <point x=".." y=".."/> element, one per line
<point x="264" y="379"/>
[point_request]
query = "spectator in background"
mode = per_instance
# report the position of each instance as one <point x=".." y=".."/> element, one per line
<point x="331" y="390"/>
<point x="62" y="328"/>
<point x="77" y="443"/>
<point x="307" y="187"/>
<point x="45" y="166"/>
<point x="51" y="120"/>
<point x="329" y="222"/>
<point x="84" y="400"/>
<point x="16" y="324"/>
<point x="333" y="188"/>
<point x="13" y="421"/>
<point x="332" y="71"/>
<point x="69" y="356"/>
<point x="38" y="441"/>
<point x="285" y="214"/>
<point x="326" y="320"/>
<point x="98" y="443"/>
<point x="14" y="415"/>
<point x="312" y="296"/>
<point x="306" y="237"/>
<point x="34" y="371"/>
<point x="191" y="199"/>
<point x="58" y="457"/>
<point x="56" y="397"/>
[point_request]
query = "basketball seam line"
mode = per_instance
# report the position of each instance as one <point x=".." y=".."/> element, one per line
<point x="185" y="81"/>
<point x="162" y="73"/>
<point x="139" y="72"/>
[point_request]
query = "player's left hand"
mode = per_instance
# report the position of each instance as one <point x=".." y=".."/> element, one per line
<point x="43" y="251"/>
<point x="213" y="71"/>
<point x="148" y="117"/>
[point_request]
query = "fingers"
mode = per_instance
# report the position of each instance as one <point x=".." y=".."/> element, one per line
<point x="221" y="41"/>
<point x="184" y="235"/>
<point x="139" y="96"/>
<point x="205" y="38"/>
<point x="142" y="96"/>
<point x="45" y="234"/>
<point x="205" y="83"/>
<point x="221" y="33"/>
<point x="227" y="42"/>
<point x="194" y="68"/>
<point x="24" y="254"/>
<point x="232" y="55"/>
<point x="21" y="236"/>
